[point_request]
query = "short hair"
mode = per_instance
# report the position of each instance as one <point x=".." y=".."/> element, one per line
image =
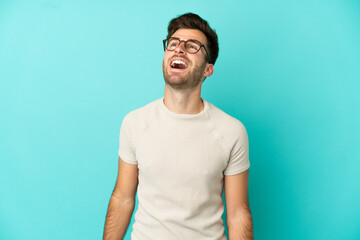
<point x="193" y="21"/>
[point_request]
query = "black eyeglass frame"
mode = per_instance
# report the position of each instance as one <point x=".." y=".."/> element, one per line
<point x="185" y="41"/>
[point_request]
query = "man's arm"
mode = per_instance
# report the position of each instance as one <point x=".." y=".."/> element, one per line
<point x="122" y="201"/>
<point x="238" y="215"/>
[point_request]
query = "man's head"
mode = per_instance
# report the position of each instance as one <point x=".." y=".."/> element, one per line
<point x="193" y="21"/>
<point x="191" y="49"/>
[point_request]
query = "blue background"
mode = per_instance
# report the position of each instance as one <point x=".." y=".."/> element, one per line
<point x="71" y="70"/>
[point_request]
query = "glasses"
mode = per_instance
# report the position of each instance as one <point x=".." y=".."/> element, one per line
<point x="191" y="46"/>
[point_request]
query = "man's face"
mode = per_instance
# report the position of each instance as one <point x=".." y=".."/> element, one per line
<point x="191" y="73"/>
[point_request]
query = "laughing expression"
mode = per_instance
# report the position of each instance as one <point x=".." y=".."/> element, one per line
<point x="181" y="69"/>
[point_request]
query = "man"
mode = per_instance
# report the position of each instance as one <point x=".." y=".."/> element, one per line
<point x="180" y="150"/>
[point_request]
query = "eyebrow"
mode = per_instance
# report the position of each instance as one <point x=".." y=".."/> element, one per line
<point x="187" y="39"/>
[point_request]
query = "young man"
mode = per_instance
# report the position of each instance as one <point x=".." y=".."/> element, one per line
<point x="180" y="150"/>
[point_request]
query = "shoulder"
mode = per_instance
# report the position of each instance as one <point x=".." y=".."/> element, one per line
<point x="235" y="138"/>
<point x="140" y="116"/>
<point x="227" y="124"/>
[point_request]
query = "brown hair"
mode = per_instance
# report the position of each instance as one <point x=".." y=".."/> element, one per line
<point x="193" y="21"/>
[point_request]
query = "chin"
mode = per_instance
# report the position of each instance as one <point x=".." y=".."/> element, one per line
<point x="175" y="80"/>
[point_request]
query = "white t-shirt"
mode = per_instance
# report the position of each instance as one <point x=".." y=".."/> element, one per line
<point x="182" y="160"/>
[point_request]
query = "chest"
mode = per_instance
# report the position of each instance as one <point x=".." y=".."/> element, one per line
<point x="183" y="153"/>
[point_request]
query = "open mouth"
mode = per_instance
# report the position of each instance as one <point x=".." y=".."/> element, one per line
<point x="178" y="64"/>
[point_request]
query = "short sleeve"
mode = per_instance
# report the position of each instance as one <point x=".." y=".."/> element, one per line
<point x="239" y="153"/>
<point x="126" y="146"/>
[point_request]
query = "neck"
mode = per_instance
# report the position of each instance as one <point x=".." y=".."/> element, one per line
<point x="185" y="101"/>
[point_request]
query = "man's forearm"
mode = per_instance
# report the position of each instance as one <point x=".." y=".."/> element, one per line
<point x="117" y="218"/>
<point x="240" y="226"/>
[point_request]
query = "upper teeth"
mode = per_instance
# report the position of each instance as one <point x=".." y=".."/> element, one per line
<point x="177" y="62"/>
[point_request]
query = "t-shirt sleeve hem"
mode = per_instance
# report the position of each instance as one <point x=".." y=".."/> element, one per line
<point x="237" y="171"/>
<point x="127" y="159"/>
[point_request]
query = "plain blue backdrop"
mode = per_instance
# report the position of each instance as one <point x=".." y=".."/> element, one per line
<point x="71" y="70"/>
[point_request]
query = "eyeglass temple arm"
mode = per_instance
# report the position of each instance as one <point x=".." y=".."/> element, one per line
<point x="207" y="52"/>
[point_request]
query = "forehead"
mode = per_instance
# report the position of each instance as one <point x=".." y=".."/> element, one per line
<point x="185" y="34"/>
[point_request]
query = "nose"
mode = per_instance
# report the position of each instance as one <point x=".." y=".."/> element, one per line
<point x="180" y="48"/>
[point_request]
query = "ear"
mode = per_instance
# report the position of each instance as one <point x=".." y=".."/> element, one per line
<point x="209" y="70"/>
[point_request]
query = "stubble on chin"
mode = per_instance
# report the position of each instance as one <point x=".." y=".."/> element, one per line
<point x="189" y="81"/>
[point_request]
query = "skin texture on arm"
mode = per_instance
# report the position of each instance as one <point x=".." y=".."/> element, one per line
<point x="122" y="202"/>
<point x="238" y="215"/>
